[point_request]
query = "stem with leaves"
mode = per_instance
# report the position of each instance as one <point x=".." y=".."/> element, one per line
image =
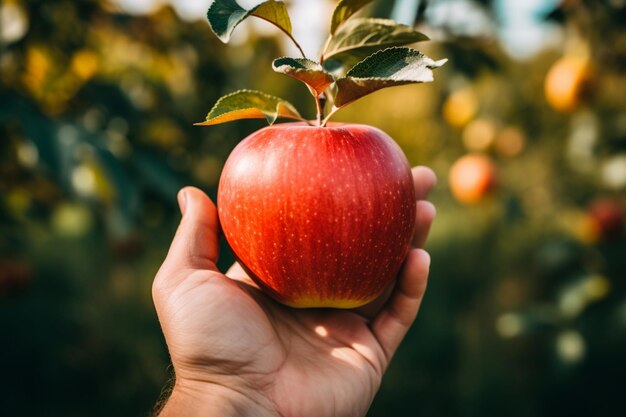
<point x="367" y="55"/>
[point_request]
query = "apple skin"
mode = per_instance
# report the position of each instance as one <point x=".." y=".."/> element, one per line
<point x="318" y="216"/>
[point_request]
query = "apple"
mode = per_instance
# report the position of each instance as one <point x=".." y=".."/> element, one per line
<point x="471" y="178"/>
<point x="318" y="216"/>
<point x="608" y="217"/>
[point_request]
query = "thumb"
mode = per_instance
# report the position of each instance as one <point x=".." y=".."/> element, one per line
<point x="195" y="245"/>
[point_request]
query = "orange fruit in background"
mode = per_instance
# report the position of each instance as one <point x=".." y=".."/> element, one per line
<point x="460" y="107"/>
<point x="479" y="135"/>
<point x="608" y="216"/>
<point x="566" y="82"/>
<point x="471" y="178"/>
<point x="510" y="141"/>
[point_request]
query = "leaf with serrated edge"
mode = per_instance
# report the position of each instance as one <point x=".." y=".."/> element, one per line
<point x="343" y="11"/>
<point x="225" y="15"/>
<point x="249" y="104"/>
<point x="361" y="36"/>
<point x="274" y="12"/>
<point x="309" y="72"/>
<point x="387" y="68"/>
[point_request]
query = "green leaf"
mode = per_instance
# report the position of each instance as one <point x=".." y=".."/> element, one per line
<point x="387" y="68"/>
<point x="343" y="11"/>
<point x="363" y="36"/>
<point x="309" y="72"/>
<point x="249" y="104"/>
<point x="225" y="15"/>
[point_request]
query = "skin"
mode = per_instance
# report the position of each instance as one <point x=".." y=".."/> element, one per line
<point x="236" y="352"/>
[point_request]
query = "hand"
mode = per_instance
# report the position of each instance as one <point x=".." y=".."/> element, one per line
<point x="236" y="352"/>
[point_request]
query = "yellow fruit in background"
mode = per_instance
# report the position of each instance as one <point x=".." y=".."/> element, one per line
<point x="479" y="135"/>
<point x="38" y="65"/>
<point x="566" y="82"/>
<point x="510" y="142"/>
<point x="471" y="178"/>
<point x="460" y="107"/>
<point x="85" y="64"/>
<point x="587" y="230"/>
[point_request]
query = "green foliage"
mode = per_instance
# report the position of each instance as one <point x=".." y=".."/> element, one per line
<point x="343" y="11"/>
<point x="249" y="104"/>
<point x="225" y="15"/>
<point x="387" y="68"/>
<point x="361" y="36"/>
<point x="348" y="43"/>
<point x="309" y="72"/>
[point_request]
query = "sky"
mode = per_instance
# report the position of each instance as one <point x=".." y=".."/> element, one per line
<point x="522" y="32"/>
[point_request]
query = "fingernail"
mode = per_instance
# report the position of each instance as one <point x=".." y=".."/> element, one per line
<point x="182" y="201"/>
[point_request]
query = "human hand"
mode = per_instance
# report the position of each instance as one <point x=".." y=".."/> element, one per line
<point x="237" y="352"/>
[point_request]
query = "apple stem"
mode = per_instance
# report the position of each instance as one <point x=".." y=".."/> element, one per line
<point x="297" y="44"/>
<point x="320" y="110"/>
<point x="331" y="114"/>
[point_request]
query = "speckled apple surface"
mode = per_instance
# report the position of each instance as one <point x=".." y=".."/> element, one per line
<point x="318" y="216"/>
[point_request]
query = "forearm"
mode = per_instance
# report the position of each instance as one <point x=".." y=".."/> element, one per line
<point x="207" y="400"/>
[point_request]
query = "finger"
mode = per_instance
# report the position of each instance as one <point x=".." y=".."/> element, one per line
<point x="237" y="273"/>
<point x="424" y="216"/>
<point x="424" y="180"/>
<point x="195" y="245"/>
<point x="372" y="308"/>
<point x="393" y="321"/>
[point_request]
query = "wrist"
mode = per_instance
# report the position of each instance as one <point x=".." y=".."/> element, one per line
<point x="202" y="399"/>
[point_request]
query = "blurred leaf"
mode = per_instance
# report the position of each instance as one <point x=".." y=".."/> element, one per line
<point x="343" y="11"/>
<point x="383" y="9"/>
<point x="387" y="68"/>
<point x="225" y="15"/>
<point x="309" y="72"/>
<point x="249" y="104"/>
<point x="362" y="36"/>
<point x="339" y="67"/>
<point x="473" y="56"/>
<point x="127" y="199"/>
<point x="556" y="15"/>
<point x="157" y="175"/>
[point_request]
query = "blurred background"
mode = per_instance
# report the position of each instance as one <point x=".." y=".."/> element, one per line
<point x="525" y="127"/>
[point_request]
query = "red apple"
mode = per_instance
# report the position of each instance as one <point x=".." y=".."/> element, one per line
<point x="608" y="217"/>
<point x="15" y="277"/>
<point x="471" y="178"/>
<point x="318" y="216"/>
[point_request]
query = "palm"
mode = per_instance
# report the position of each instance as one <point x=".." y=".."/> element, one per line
<point x="310" y="358"/>
<point x="295" y="362"/>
